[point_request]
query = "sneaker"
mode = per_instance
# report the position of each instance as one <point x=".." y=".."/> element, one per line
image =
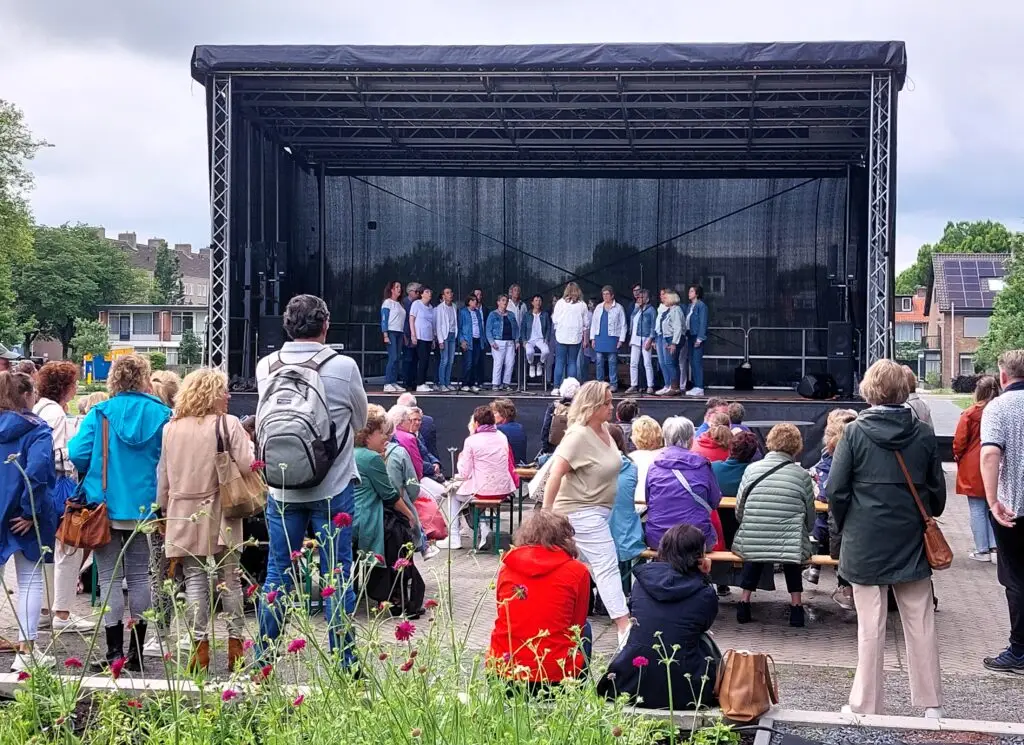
<point x="431" y="551"/>
<point x="1005" y="662"/>
<point x="72" y="623"/>
<point x="485" y="533"/>
<point x="45" y="620"/>
<point x="743" y="614"/>
<point x="26" y="661"/>
<point x="993" y="556"/>
<point x="843" y="597"/>
<point x="451" y="543"/>
<point x="630" y="391"/>
<point x="556" y="393"/>
<point x="983" y="556"/>
<point x="397" y="388"/>
<point x="796" y="616"/>
<point x="388" y="388"/>
<point x="695" y="392"/>
<point x="424" y="389"/>
<point x="155" y="647"/>
<point x="649" y="391"/>
<point x="811" y="575"/>
<point x="533" y="371"/>
<point x="663" y="391"/>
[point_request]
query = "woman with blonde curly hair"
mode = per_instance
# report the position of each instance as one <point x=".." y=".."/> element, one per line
<point x="118" y="448"/>
<point x="647" y="437"/>
<point x="582" y="484"/>
<point x="165" y="386"/>
<point x="196" y="530"/>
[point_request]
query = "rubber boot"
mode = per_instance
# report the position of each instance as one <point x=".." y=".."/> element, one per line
<point x="200" y="659"/>
<point x="236" y="653"/>
<point x="115" y="648"/>
<point x="136" y="640"/>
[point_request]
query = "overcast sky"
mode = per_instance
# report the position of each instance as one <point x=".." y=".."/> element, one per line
<point x="107" y="83"/>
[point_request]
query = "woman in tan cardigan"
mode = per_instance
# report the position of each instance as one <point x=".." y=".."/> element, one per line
<point x="195" y="530"/>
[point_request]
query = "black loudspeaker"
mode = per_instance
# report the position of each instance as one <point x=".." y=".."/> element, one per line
<point x="841" y="371"/>
<point x="818" y="386"/>
<point x="743" y="378"/>
<point x="271" y="335"/>
<point x="840" y="340"/>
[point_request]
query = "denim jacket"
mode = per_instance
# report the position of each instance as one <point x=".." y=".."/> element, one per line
<point x="698" y="320"/>
<point x="466" y="325"/>
<point x="645" y="329"/>
<point x="494" y="326"/>
<point x="673" y="324"/>
<point x="527" y="327"/>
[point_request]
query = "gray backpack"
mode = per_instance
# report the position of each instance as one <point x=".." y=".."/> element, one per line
<point x="294" y="425"/>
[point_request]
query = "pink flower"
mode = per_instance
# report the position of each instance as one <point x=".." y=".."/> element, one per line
<point x="327" y="592"/>
<point x="640" y="661"/>
<point x="116" y="667"/>
<point x="130" y="625"/>
<point x="298" y="701"/>
<point x="296" y="645"/>
<point x="248" y="644"/>
<point x="382" y="656"/>
<point x="406" y="666"/>
<point x="168" y="656"/>
<point x="296" y="555"/>
<point x="401" y="564"/>
<point x="251" y="590"/>
<point x="404" y="631"/>
<point x="342" y="520"/>
<point x="73" y="662"/>
<point x="265" y="672"/>
<point x="430" y="604"/>
<point x="228" y="694"/>
<point x="23" y="676"/>
<point x="133" y="703"/>
<point x="379" y="559"/>
<point x="272" y="596"/>
<point x="257" y="465"/>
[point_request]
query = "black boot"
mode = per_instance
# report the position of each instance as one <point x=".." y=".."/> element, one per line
<point x="136" y="640"/>
<point x="743" y="614"/>
<point x="115" y="648"/>
<point x="796" y="616"/>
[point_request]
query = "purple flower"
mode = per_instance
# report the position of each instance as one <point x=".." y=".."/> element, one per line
<point x="640" y="661"/>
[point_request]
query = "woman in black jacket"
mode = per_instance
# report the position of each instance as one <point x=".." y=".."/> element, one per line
<point x="674" y="596"/>
<point x="883" y="535"/>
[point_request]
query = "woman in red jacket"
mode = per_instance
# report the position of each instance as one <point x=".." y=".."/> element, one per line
<point x="714" y="443"/>
<point x="967" y="454"/>
<point x="541" y="634"/>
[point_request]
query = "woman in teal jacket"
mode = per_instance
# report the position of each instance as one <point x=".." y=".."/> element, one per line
<point x="132" y="424"/>
<point x="696" y="337"/>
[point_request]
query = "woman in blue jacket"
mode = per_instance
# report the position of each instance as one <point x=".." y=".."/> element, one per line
<point x="696" y="336"/>
<point x="132" y="423"/>
<point x="503" y="338"/>
<point x="471" y="341"/>
<point x="29" y="519"/>
<point x="641" y="343"/>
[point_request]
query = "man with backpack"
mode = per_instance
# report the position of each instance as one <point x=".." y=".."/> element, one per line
<point x="311" y="403"/>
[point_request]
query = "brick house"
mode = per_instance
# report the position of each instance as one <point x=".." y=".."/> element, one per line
<point x="959" y="306"/>
<point x="915" y="345"/>
<point x="153" y="328"/>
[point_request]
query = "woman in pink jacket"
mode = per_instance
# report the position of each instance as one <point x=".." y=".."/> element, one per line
<point x="486" y="467"/>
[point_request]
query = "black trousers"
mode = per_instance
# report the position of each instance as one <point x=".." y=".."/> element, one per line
<point x="1010" y="570"/>
<point x="422" y="361"/>
<point x="750" y="577"/>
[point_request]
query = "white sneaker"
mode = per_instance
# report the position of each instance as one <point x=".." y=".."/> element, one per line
<point x="663" y="391"/>
<point x="695" y="392"/>
<point x="388" y="388"/>
<point x="45" y="620"/>
<point x="451" y="543"/>
<point x="424" y="389"/>
<point x="485" y="532"/>
<point x="983" y="556"/>
<point x="25" y="661"/>
<point x="431" y="551"/>
<point x="73" y="623"/>
<point x="993" y="556"/>
<point x="934" y="712"/>
<point x="475" y="389"/>
<point x="556" y="393"/>
<point x="397" y="389"/>
<point x="154" y="647"/>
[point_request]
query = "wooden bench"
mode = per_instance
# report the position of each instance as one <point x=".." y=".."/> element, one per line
<point x="819" y="560"/>
<point x="729" y="503"/>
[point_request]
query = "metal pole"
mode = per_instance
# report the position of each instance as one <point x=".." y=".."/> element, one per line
<point x="322" y="225"/>
<point x="952" y="342"/>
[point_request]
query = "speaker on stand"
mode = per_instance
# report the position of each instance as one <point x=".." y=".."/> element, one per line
<point x="840" y="357"/>
<point x="271" y="335"/>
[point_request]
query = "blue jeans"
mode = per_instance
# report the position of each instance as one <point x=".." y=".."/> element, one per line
<point x="669" y="362"/>
<point x="286" y="529"/>
<point x="981" y="527"/>
<point x="395" y="341"/>
<point x="566" y="359"/>
<point x="446" y="360"/>
<point x="659" y="348"/>
<point x="696" y="361"/>
<point x="608" y="360"/>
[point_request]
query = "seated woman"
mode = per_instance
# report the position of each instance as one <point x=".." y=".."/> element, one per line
<point x="672" y="595"/>
<point x="505" y="418"/>
<point x="743" y="451"/>
<point x="647" y="437"/>
<point x="714" y="443"/>
<point x="486" y="469"/>
<point x="681" y="488"/>
<point x="627" y="531"/>
<point x="402" y="471"/>
<point x="541" y="634"/>
<point x="401" y="418"/>
<point x="775" y="509"/>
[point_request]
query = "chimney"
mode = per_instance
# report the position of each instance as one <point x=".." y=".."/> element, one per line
<point x="155" y="243"/>
<point x="128" y="238"/>
<point x="185" y="248"/>
<point x="922" y="291"/>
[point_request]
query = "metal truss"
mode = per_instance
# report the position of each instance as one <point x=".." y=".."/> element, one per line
<point x="220" y="216"/>
<point x="880" y="219"/>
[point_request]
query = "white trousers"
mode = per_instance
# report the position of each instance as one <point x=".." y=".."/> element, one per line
<point x="597" y="548"/>
<point x="431" y="488"/>
<point x="30" y="596"/>
<point x="635" y="352"/>
<point x="504" y="358"/>
<point x="537" y="347"/>
<point x="62" y="577"/>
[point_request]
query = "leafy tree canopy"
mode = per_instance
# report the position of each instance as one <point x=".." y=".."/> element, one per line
<point x="91" y="337"/>
<point x="168" y="288"/>
<point x="1006" y="328"/>
<point x="190" y="350"/>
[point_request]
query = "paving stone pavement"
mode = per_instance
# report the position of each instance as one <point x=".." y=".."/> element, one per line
<point x="971" y="624"/>
<point x="945" y="414"/>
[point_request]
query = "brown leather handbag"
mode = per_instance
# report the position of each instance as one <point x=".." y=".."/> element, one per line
<point x="936" y="548"/>
<point x="87" y="525"/>
<point x="746" y="687"/>
<point x="241" y="494"/>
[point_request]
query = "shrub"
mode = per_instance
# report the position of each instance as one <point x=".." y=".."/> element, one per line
<point x="932" y="380"/>
<point x="965" y="383"/>
<point x="158" y="360"/>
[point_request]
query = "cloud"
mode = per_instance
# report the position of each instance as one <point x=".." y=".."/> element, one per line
<point x="108" y="83"/>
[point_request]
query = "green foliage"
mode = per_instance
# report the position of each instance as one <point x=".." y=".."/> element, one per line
<point x="91" y="337"/>
<point x="190" y="351"/>
<point x="979" y="236"/>
<point x="906" y="351"/>
<point x="71" y="272"/>
<point x="157" y="360"/>
<point x="1006" y="328"/>
<point x="932" y="380"/>
<point x="168" y="288"/>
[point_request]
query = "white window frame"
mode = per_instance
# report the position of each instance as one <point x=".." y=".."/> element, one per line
<point x="974" y="334"/>
<point x="969" y="358"/>
<point x="907" y="305"/>
<point x="714" y="279"/>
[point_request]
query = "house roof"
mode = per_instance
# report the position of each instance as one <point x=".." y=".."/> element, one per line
<point x="143" y="256"/>
<point x="917" y="315"/>
<point x="143" y="308"/>
<point x="961" y="281"/>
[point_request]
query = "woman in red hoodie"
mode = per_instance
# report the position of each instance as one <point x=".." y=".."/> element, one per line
<point x="541" y="634"/>
<point x="714" y="443"/>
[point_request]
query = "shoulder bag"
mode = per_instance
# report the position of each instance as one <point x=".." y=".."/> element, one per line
<point x="745" y="686"/>
<point x="761" y="478"/>
<point x="241" y="494"/>
<point x="86" y="525"/>
<point x="936" y="548"/>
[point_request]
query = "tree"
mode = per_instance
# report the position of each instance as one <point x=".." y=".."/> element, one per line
<point x="1006" y="327"/>
<point x="979" y="236"/>
<point x="168" y="288"/>
<point x="91" y="337"/>
<point x="17" y="147"/>
<point x="190" y="351"/>
<point x="157" y="360"/>
<point x="72" y="271"/>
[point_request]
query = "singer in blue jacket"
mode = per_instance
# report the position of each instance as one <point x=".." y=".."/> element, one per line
<point x="696" y="337"/>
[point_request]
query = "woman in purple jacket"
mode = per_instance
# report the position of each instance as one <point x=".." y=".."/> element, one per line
<point x="681" y="487"/>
